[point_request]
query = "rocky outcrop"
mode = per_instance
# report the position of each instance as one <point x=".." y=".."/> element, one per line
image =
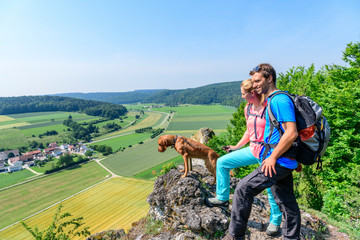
<point x="203" y="135"/>
<point x="108" y="235"/>
<point x="178" y="211"/>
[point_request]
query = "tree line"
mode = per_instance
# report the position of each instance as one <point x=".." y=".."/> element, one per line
<point x="25" y="104"/>
<point x="223" y="93"/>
<point x="335" y="190"/>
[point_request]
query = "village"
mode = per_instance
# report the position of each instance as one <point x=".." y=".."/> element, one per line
<point x="13" y="161"/>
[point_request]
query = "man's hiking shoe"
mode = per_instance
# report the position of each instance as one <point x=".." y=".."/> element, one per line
<point x="272" y="230"/>
<point x="214" y="202"/>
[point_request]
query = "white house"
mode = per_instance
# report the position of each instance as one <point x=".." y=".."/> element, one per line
<point x="14" y="168"/>
<point x="56" y="152"/>
<point x="64" y="146"/>
<point x="29" y="164"/>
<point x="84" y="148"/>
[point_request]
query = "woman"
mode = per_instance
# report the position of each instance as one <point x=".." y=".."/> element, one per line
<point x="255" y="122"/>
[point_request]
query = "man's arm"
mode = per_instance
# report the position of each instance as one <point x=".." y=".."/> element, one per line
<point x="290" y="135"/>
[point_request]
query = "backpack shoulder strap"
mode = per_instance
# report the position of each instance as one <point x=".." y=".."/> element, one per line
<point x="273" y="120"/>
<point x="248" y="106"/>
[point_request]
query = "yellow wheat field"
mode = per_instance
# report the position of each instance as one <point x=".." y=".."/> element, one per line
<point x="4" y="118"/>
<point x="14" y="125"/>
<point x="113" y="204"/>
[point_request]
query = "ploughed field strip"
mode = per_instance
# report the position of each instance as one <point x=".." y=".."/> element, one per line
<point x="23" y="200"/>
<point x="150" y="119"/>
<point x="113" y="204"/>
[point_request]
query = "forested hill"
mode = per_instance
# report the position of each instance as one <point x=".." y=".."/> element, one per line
<point x="227" y="93"/>
<point x="114" y="97"/>
<point x="224" y="93"/>
<point x="24" y="104"/>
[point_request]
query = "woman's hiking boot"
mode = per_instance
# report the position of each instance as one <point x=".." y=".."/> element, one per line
<point x="214" y="202"/>
<point x="272" y="229"/>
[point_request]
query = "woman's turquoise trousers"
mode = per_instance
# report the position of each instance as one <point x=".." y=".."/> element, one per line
<point x="235" y="159"/>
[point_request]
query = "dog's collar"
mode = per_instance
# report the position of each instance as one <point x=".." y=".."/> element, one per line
<point x="176" y="137"/>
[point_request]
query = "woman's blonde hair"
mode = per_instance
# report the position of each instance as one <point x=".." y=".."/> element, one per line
<point x="247" y="85"/>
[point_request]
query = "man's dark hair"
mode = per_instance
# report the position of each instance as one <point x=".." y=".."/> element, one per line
<point x="266" y="70"/>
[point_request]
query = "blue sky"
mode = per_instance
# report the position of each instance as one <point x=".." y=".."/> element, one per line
<point x="63" y="46"/>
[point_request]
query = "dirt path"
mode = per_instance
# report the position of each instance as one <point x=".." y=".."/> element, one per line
<point x="112" y="174"/>
<point x="28" y="168"/>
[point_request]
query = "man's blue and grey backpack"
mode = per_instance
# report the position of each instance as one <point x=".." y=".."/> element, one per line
<point x="313" y="128"/>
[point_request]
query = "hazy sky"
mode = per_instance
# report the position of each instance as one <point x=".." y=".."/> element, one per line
<point x="63" y="46"/>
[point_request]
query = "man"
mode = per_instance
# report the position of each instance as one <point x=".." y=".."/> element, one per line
<point x="275" y="170"/>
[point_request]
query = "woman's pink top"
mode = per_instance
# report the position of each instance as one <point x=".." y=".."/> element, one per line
<point x="255" y="128"/>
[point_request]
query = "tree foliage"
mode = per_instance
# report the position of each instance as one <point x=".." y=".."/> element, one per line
<point x="61" y="228"/>
<point x="223" y="93"/>
<point x="24" y="104"/>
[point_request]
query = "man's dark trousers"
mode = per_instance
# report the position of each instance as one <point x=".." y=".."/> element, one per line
<point x="281" y="185"/>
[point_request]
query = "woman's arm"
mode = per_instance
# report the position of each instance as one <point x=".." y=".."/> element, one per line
<point x="244" y="140"/>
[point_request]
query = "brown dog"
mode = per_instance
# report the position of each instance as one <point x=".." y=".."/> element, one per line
<point x="189" y="148"/>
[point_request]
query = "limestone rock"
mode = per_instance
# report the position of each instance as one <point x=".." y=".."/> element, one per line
<point x="179" y="204"/>
<point x="203" y="135"/>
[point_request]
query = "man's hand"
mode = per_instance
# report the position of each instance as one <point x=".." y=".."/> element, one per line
<point x="268" y="166"/>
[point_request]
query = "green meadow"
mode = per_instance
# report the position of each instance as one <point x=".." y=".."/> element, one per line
<point x="23" y="200"/>
<point x="8" y="179"/>
<point x="152" y="173"/>
<point x="194" y="117"/>
<point x="124" y="141"/>
<point x="12" y="138"/>
<point x="137" y="159"/>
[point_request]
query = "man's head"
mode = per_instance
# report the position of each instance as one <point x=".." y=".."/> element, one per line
<point x="263" y="78"/>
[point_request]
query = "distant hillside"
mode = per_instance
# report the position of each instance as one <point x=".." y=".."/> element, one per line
<point x="114" y="97"/>
<point x="224" y="93"/>
<point x="227" y="93"/>
<point x="25" y="104"/>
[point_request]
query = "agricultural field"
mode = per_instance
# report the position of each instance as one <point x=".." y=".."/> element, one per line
<point x="23" y="200"/>
<point x="12" y="138"/>
<point x="154" y="172"/>
<point x="194" y="117"/>
<point x="47" y="166"/>
<point x="16" y="130"/>
<point x="150" y="119"/>
<point x="139" y="158"/>
<point x="186" y="122"/>
<point x="8" y="179"/>
<point x="113" y="204"/>
<point x="124" y="141"/>
<point x="5" y="118"/>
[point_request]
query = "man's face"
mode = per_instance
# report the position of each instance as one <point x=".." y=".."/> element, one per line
<point x="260" y="83"/>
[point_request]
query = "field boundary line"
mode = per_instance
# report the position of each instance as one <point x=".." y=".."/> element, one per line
<point x="55" y="204"/>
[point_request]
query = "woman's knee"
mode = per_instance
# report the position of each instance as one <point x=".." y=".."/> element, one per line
<point x="221" y="162"/>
